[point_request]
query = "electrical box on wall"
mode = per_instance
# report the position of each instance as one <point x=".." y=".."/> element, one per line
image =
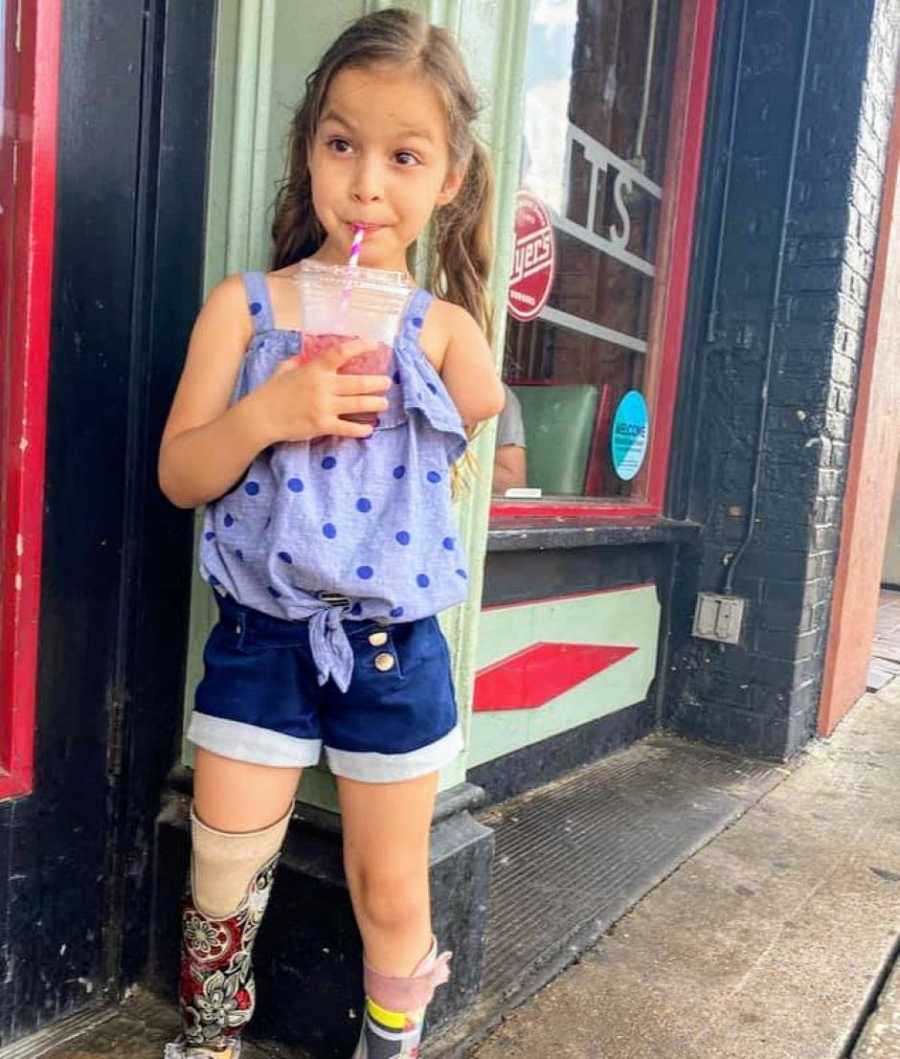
<point x="718" y="617"/>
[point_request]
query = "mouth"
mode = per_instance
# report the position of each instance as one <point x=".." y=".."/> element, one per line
<point x="368" y="228"/>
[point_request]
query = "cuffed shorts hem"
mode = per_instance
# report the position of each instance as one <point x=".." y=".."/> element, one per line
<point x="249" y="742"/>
<point x="371" y="767"/>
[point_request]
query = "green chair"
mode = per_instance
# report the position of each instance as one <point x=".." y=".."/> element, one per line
<point x="560" y="424"/>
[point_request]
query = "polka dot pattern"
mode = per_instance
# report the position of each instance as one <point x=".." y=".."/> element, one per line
<point x="432" y="387"/>
<point x="295" y="485"/>
<point x="330" y="530"/>
<point x="449" y="543"/>
<point x="209" y="535"/>
<point x="329" y="463"/>
<point x="399" y="471"/>
<point x="463" y="574"/>
<point x="397" y="612"/>
<point x="364" y="504"/>
<point x="423" y="580"/>
<point x="402" y="537"/>
<point x="285" y="557"/>
<point x="433" y="477"/>
<point x="364" y="572"/>
<point x="252" y="488"/>
<point x="255" y="308"/>
<point x="229" y="521"/>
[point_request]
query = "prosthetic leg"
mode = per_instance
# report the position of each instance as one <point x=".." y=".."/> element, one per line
<point x="231" y="879"/>
<point x="395" y="1008"/>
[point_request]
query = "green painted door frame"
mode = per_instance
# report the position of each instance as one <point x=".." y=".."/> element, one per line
<point x="264" y="50"/>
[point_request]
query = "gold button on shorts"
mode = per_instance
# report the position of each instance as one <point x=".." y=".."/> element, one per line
<point x="384" y="662"/>
<point x="378" y="639"/>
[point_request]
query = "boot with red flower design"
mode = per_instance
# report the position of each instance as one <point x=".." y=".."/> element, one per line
<point x="217" y="992"/>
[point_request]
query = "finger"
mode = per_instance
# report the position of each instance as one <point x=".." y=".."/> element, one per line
<point x="348" y="429"/>
<point x="343" y="405"/>
<point x="362" y="384"/>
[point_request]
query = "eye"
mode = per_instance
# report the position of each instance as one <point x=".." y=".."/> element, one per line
<point x="400" y="155"/>
<point x="337" y="144"/>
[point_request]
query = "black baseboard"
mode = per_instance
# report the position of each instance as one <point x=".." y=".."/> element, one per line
<point x="535" y="765"/>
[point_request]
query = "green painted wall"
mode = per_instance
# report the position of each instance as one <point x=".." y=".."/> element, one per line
<point x="628" y="618"/>
<point x="265" y="48"/>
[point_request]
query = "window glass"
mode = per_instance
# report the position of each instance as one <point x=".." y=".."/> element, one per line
<point x="597" y="92"/>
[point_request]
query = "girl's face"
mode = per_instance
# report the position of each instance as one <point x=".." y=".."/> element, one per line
<point x="379" y="158"/>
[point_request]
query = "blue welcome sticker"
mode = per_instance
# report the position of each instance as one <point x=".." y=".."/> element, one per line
<point x="630" y="431"/>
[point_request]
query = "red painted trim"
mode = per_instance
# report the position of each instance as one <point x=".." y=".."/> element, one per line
<point x="540" y="673"/>
<point x="569" y="595"/>
<point x="29" y="292"/>
<point x="692" y="80"/>
<point x="581" y="508"/>
<point x="873" y="455"/>
<point x="685" y="148"/>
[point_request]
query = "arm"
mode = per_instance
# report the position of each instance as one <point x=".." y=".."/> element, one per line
<point x="468" y="369"/>
<point x="509" y="468"/>
<point x="207" y="446"/>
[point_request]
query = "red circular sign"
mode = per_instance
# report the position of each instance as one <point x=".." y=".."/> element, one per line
<point x="534" y="259"/>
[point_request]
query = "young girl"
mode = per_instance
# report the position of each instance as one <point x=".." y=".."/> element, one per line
<point x="330" y="544"/>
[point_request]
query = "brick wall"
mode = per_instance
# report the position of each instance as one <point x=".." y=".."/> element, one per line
<point x="763" y="694"/>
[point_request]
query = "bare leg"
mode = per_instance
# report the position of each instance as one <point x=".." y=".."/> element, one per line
<point x="386" y="840"/>
<point x="236" y="796"/>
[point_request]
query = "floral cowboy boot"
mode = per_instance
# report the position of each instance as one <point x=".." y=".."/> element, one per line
<point x="217" y="992"/>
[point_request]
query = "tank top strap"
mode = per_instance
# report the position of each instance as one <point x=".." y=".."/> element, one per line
<point x="414" y="314"/>
<point x="258" y="303"/>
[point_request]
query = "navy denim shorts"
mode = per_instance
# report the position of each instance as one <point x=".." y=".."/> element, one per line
<point x="259" y="699"/>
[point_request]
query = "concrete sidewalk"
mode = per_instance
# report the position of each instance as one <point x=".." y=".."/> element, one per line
<point x="777" y="940"/>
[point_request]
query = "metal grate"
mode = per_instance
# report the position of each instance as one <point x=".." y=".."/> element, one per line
<point x="573" y="856"/>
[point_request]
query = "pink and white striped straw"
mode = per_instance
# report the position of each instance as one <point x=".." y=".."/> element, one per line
<point x="357" y="246"/>
<point x="355" y="249"/>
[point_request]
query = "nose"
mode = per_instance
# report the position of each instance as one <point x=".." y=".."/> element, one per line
<point x="368" y="180"/>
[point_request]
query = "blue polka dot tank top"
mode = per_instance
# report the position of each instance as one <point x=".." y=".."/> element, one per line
<point x="337" y="529"/>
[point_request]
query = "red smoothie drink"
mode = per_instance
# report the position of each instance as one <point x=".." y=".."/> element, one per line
<point x="373" y="362"/>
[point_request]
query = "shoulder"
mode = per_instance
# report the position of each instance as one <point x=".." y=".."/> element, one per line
<point x="226" y="305"/>
<point x="446" y="324"/>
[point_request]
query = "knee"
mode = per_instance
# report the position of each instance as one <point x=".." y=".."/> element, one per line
<point x="390" y="901"/>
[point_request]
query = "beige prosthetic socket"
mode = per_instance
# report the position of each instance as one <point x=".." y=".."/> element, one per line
<point x="223" y="863"/>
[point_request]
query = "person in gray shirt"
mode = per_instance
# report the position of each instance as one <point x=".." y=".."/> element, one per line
<point x="509" y="455"/>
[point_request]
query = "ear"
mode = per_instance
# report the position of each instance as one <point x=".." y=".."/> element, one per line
<point x="451" y="186"/>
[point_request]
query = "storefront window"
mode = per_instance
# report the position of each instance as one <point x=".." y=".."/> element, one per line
<point x="581" y="363"/>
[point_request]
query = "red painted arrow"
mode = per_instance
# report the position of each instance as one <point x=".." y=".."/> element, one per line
<point x="530" y="678"/>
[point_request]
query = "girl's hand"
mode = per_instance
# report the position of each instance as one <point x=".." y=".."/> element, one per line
<point x="305" y="399"/>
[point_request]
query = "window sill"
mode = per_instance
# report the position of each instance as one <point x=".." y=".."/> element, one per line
<point x="538" y="533"/>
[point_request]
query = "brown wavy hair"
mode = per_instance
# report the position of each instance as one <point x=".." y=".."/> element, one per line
<point x="461" y="247"/>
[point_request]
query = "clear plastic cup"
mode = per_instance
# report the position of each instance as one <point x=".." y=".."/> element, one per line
<point x="341" y="302"/>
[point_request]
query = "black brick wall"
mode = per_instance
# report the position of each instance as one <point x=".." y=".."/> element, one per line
<point x="763" y="694"/>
